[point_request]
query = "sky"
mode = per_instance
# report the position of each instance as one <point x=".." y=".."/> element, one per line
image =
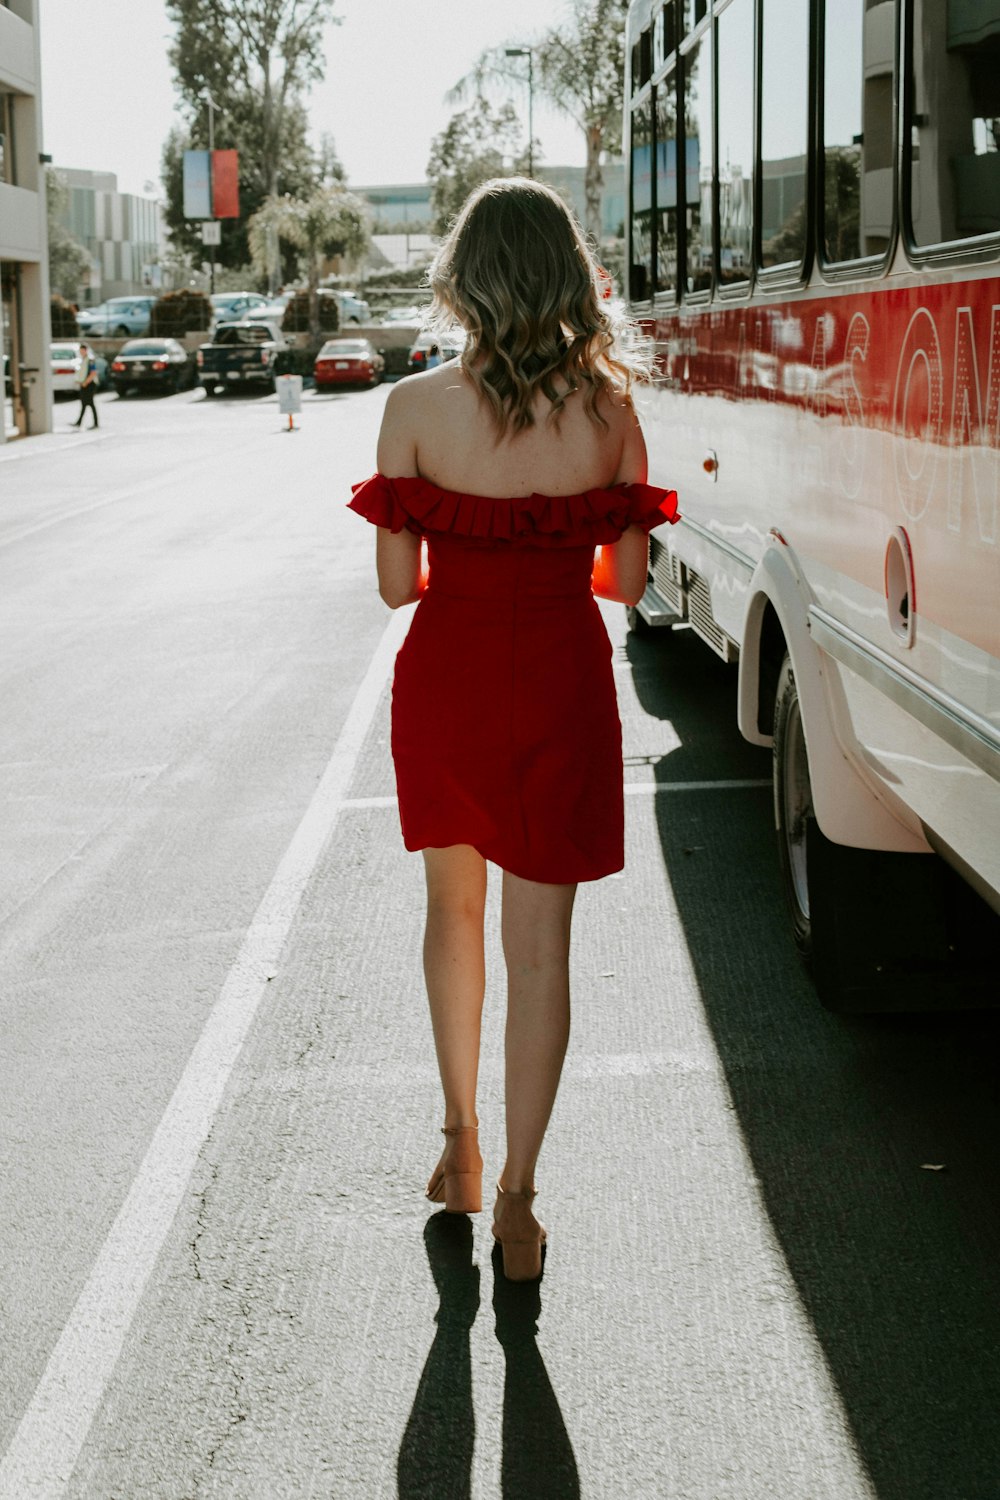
<point x="108" y="99"/>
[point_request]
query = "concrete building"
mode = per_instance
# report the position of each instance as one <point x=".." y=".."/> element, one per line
<point x="396" y="206"/>
<point x="123" y="234"/>
<point x="24" y="276"/>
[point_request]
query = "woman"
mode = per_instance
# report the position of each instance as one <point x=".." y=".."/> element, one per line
<point x="515" y="462"/>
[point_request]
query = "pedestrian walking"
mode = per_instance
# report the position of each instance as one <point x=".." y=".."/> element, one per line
<point x="433" y="357"/>
<point x="523" y="466"/>
<point x="86" y="379"/>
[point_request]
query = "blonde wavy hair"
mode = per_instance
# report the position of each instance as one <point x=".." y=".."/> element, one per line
<point x="516" y="272"/>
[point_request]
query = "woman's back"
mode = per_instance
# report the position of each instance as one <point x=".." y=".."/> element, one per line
<point x="449" y="436"/>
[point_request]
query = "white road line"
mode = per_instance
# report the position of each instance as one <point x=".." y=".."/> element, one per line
<point x="632" y="789"/>
<point x="39" y="1463"/>
<point x="660" y="788"/>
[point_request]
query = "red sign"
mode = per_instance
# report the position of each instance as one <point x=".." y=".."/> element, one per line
<point x="225" y="185"/>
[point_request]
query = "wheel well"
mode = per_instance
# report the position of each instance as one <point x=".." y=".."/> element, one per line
<point x="771" y="653"/>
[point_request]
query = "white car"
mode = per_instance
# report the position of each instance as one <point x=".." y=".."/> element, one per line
<point x="65" y="357"/>
<point x="353" y="309"/>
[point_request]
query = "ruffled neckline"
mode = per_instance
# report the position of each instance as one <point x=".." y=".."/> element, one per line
<point x="591" y="516"/>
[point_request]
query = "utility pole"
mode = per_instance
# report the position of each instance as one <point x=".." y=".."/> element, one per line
<point x="529" y="54"/>
<point x="212" y="107"/>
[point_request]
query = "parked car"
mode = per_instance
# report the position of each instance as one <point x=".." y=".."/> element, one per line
<point x="234" y="307"/>
<point x="65" y="358"/>
<point x="271" y="312"/>
<point x="449" y="345"/>
<point x="348" y="362"/>
<point x="411" y="314"/>
<point x="353" y="309"/>
<point x="151" y="365"/>
<point x="240" y="354"/>
<point x="117" y="318"/>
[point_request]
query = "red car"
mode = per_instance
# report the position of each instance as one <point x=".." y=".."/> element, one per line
<point x="348" y="362"/>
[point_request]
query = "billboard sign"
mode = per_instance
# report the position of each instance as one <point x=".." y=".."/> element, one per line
<point x="225" y="185"/>
<point x="211" y="185"/>
<point x="197" y="185"/>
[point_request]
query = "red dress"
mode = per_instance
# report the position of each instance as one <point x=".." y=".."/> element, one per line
<point x="505" y="728"/>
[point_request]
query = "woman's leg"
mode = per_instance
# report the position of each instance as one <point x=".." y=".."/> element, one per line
<point x="536" y="930"/>
<point x="455" y="971"/>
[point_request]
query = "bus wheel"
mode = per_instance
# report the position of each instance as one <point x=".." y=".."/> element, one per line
<point x="793" y="808"/>
<point x="878" y="931"/>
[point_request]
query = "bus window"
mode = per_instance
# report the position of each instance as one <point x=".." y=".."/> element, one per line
<point x="665" y="32"/>
<point x="858" y="48"/>
<point x="735" y="94"/>
<point x="641" y="270"/>
<point x="955" y="120"/>
<point x="698" y="162"/>
<point x="691" y="12"/>
<point x="666" y="183"/>
<point x="784" y="85"/>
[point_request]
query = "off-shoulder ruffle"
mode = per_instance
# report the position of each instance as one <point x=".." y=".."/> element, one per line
<point x="595" y="516"/>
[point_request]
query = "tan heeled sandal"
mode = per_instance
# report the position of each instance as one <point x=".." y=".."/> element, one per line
<point x="457" y="1180"/>
<point x="520" y="1234"/>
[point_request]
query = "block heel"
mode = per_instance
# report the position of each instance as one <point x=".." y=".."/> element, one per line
<point x="457" y="1180"/>
<point x="520" y="1234"/>
<point x="463" y="1192"/>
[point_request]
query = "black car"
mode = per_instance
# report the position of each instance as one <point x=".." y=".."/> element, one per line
<point x="151" y="365"/>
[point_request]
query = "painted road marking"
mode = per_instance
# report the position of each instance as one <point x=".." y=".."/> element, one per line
<point x="39" y="1463"/>
<point x="632" y="789"/>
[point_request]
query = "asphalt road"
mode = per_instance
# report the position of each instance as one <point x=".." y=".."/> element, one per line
<point x="218" y="1103"/>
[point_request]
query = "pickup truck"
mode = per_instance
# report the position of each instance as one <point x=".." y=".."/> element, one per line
<point x="240" y="354"/>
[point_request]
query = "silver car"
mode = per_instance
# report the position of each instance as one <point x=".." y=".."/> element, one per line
<point x="119" y="317"/>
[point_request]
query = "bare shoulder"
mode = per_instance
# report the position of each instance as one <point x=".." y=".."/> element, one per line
<point x="620" y="413"/>
<point x="397" y="445"/>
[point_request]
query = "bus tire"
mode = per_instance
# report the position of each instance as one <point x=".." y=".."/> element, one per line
<point x="793" y="810"/>
<point x="878" y="931"/>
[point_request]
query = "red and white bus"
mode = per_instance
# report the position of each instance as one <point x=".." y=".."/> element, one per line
<point x="813" y="238"/>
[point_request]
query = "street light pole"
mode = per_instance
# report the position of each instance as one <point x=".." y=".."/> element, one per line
<point x="529" y="54"/>
<point x="212" y="106"/>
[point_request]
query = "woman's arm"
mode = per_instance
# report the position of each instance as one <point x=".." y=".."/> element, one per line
<point x="397" y="554"/>
<point x="620" y="568"/>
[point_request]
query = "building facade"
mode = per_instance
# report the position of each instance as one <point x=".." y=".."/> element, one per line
<point x="122" y="233"/>
<point x="24" y="278"/>
<point x="397" y="206"/>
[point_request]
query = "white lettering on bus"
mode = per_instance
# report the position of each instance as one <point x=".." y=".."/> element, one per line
<point x="852" y="447"/>
<point x="974" y="441"/>
<point x="916" y="454"/>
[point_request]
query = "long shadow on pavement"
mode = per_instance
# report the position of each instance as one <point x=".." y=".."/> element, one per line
<point x="435" y="1455"/>
<point x="895" y="1265"/>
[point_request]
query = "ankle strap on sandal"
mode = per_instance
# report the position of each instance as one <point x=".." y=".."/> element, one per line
<point x="457" y="1129"/>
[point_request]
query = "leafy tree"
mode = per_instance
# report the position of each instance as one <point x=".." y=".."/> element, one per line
<point x="69" y="261"/>
<point x="579" y="66"/>
<point x="475" y="145"/>
<point x="331" y="221"/>
<point x="257" y="60"/>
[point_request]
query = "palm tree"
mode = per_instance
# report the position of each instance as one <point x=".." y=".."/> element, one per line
<point x="331" y="221"/>
<point x="580" y="68"/>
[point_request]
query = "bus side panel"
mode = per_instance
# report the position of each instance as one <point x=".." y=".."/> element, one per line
<point x="840" y="422"/>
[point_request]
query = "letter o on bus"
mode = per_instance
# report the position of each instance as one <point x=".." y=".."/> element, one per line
<point x="918" y="414"/>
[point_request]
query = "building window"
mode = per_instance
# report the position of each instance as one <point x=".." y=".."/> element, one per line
<point x="6" y="138"/>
